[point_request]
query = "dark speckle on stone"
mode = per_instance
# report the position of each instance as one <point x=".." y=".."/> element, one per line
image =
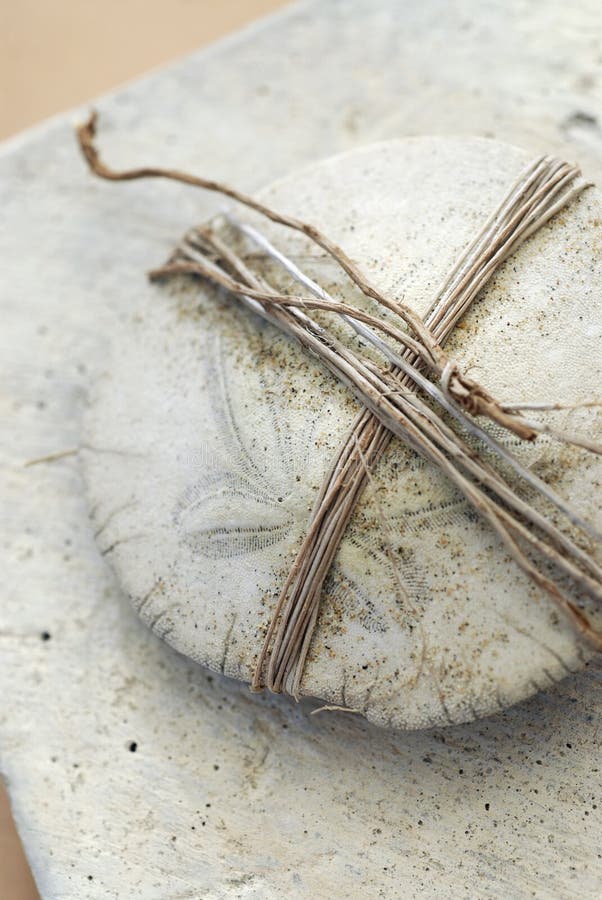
<point x="582" y="118"/>
<point x="45" y="635"/>
<point x="132" y="746"/>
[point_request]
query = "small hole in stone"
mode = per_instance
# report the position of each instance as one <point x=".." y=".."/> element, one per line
<point x="582" y="118"/>
<point x="45" y="635"/>
<point x="132" y="746"/>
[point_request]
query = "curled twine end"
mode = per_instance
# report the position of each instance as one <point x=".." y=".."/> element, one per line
<point x="86" y="132"/>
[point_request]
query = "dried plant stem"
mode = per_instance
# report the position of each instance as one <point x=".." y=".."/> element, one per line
<point x="203" y="267"/>
<point x="86" y="134"/>
<point x="52" y="457"/>
<point x="420" y="380"/>
<point x="565" y="437"/>
<point x="411" y="406"/>
<point x="551" y="407"/>
<point x="521" y="215"/>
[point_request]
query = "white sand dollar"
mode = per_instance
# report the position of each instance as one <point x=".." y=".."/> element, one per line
<point x="210" y="435"/>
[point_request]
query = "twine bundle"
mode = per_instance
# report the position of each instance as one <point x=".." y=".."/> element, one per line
<point x="413" y="394"/>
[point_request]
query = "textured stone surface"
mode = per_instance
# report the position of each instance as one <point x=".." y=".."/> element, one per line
<point x="214" y="434"/>
<point x="298" y="805"/>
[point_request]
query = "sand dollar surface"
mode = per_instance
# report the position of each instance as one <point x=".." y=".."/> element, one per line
<point x="210" y="434"/>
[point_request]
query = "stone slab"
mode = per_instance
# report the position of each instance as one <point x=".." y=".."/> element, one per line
<point x="226" y="794"/>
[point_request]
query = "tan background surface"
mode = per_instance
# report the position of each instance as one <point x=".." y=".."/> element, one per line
<point x="55" y="55"/>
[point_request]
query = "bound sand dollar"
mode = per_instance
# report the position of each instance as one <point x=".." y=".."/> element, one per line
<point x="210" y="434"/>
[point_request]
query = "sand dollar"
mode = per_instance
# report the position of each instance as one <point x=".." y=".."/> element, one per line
<point x="210" y="433"/>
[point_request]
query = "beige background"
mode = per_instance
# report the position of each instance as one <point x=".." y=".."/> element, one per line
<point x="56" y="54"/>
